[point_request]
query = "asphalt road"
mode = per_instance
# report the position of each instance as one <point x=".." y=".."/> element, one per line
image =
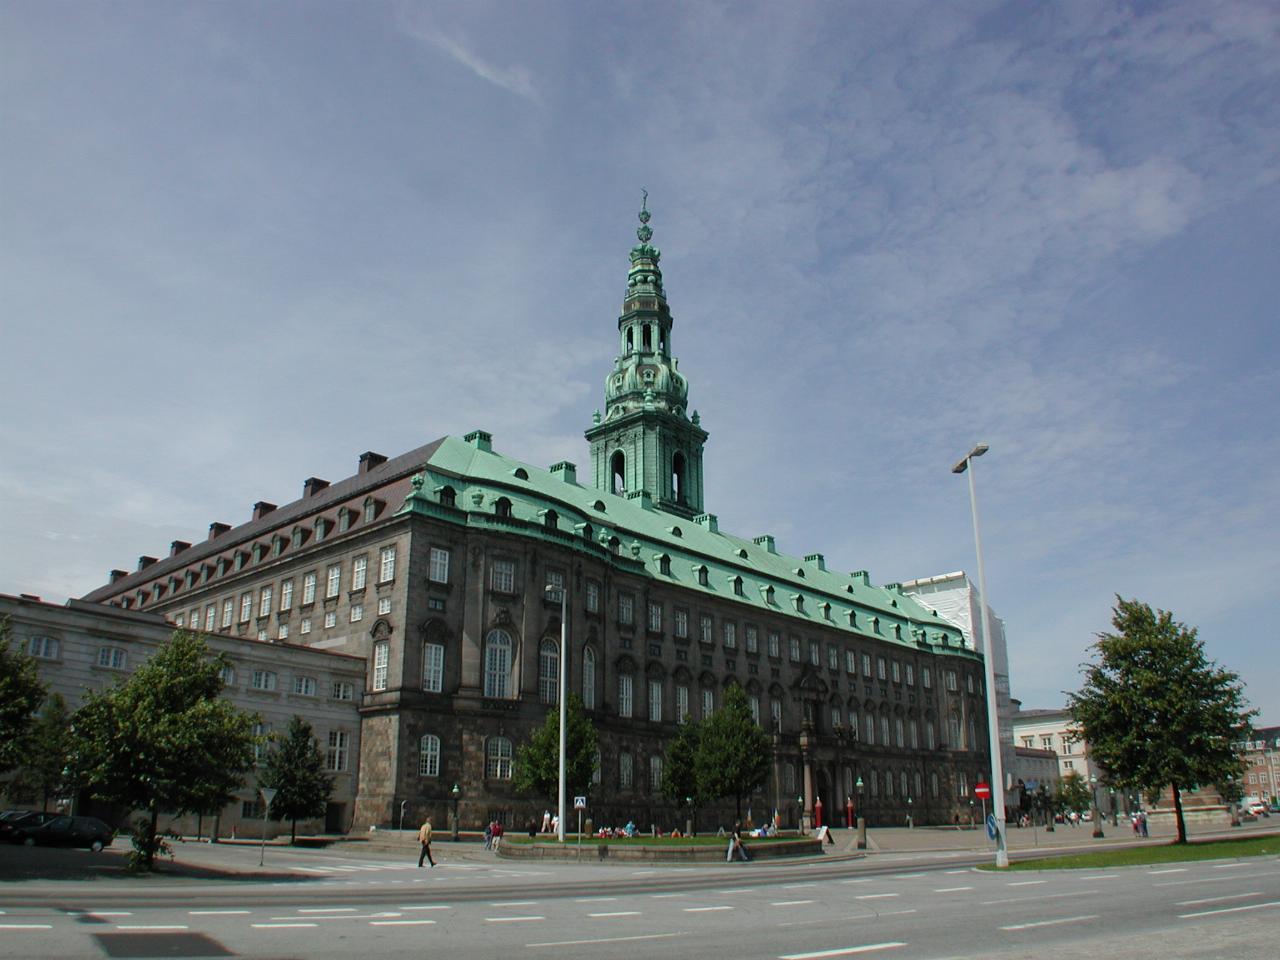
<point x="330" y="904"/>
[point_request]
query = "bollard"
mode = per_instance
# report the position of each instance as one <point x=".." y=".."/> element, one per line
<point x="862" y="833"/>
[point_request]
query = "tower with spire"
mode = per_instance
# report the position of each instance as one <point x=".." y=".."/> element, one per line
<point x="646" y="444"/>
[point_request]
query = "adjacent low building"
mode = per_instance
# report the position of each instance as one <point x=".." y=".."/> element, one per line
<point x="86" y="647"/>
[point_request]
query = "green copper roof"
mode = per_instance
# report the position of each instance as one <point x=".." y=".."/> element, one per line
<point x="802" y="590"/>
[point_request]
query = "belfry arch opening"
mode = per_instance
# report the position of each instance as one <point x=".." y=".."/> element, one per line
<point x="618" y="473"/>
<point x="648" y="338"/>
<point x="677" y="477"/>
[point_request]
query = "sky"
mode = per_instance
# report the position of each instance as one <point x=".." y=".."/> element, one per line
<point x="244" y="242"/>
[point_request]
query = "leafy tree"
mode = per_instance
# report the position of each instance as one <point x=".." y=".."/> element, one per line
<point x="20" y="694"/>
<point x="537" y="770"/>
<point x="1155" y="711"/>
<point x="1073" y="794"/>
<point x="732" y="759"/>
<point x="295" y="768"/>
<point x="44" y="767"/>
<point x="679" y="772"/>
<point x="163" y="739"/>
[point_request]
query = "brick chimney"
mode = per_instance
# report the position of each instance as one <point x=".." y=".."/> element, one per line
<point x="369" y="460"/>
<point x="177" y="547"/>
<point x="218" y="529"/>
<point x="262" y="508"/>
<point x="313" y="485"/>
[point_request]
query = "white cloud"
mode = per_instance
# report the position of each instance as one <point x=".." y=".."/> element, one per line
<point x="514" y="79"/>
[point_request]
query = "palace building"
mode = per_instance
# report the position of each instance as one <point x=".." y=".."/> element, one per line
<point x="444" y="569"/>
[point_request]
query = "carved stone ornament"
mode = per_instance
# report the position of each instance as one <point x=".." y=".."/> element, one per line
<point x="502" y="617"/>
<point x="381" y="630"/>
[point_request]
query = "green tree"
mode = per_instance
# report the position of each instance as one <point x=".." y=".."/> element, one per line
<point x="44" y="767"/>
<point x="1073" y="794"/>
<point x="20" y="695"/>
<point x="295" y="768"/>
<point x="164" y="739"/>
<point x="1155" y="711"/>
<point x="679" y="771"/>
<point x="732" y="759"/>
<point x="537" y="772"/>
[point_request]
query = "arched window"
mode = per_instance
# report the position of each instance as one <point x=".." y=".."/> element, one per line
<point x="655" y="772"/>
<point x="953" y="732"/>
<point x="871" y="729"/>
<point x="884" y="729"/>
<point x="703" y="576"/>
<point x="664" y="565"/>
<point x="497" y="665"/>
<point x="618" y="473"/>
<point x="915" y="738"/>
<point x="677" y="477"/>
<point x="588" y="679"/>
<point x="737" y="586"/>
<point x="647" y="337"/>
<point x="930" y="735"/>
<point x="595" y="770"/>
<point x="548" y="672"/>
<point x="933" y="784"/>
<point x="631" y="339"/>
<point x="897" y="732"/>
<point x="918" y="792"/>
<point x="902" y="784"/>
<point x="448" y="496"/>
<point x="429" y="756"/>
<point x="497" y="759"/>
<point x="551" y="520"/>
<point x="626" y="692"/>
<point x="502" y="507"/>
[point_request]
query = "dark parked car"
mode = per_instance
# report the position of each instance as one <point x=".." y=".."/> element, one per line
<point x="68" y="832"/>
<point x="14" y="822"/>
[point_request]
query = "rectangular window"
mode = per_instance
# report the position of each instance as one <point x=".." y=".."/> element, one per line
<point x="333" y="581"/>
<point x="880" y="669"/>
<point x="775" y="713"/>
<point x="336" y="756"/>
<point x="263" y="680"/>
<point x="951" y="681"/>
<point x="730" y="635"/>
<point x="286" y="596"/>
<point x="624" y="694"/>
<point x="261" y="746"/>
<point x="681" y="626"/>
<point x="624" y="771"/>
<point x="850" y="663"/>
<point x="384" y="606"/>
<point x="283" y="632"/>
<point x="433" y="667"/>
<point x="554" y="587"/>
<point x="113" y="658"/>
<point x="754" y="703"/>
<point x="180" y="620"/>
<point x="381" y="658"/>
<point x="359" y="571"/>
<point x="626" y="608"/>
<point x="438" y="568"/>
<point x="815" y="653"/>
<point x="357" y="612"/>
<point x="43" y="648"/>
<point x="911" y="675"/>
<point x="228" y="611"/>
<point x="708" y="702"/>
<point x="304" y="686"/>
<point x="969" y="682"/>
<point x="897" y="672"/>
<point x="705" y="628"/>
<point x="655" y="772"/>
<point x="655" y="617"/>
<point x="682" y="704"/>
<point x="209" y="613"/>
<point x="264" y="602"/>
<point x="194" y="619"/>
<point x="309" y="587"/>
<point x="262" y="634"/>
<point x="343" y="690"/>
<point x="833" y="658"/>
<point x="794" y="649"/>
<point x="866" y="665"/>
<point x="502" y="576"/>
<point x="305" y="626"/>
<point x="593" y="596"/>
<point x="386" y="564"/>
<point x="775" y="644"/>
<point x="655" y="701"/>
<point x="330" y="619"/>
<point x="926" y="678"/>
<point x="753" y="638"/>
<point x="228" y="674"/>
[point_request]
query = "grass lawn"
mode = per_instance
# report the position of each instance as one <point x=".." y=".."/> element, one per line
<point x="1165" y="853"/>
<point x="702" y="840"/>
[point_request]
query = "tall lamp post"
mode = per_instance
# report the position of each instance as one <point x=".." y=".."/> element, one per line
<point x="1095" y="813"/>
<point x="988" y="659"/>
<point x="455" y="793"/>
<point x="551" y="590"/>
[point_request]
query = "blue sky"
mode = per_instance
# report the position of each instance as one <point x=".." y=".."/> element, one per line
<point x="244" y="242"/>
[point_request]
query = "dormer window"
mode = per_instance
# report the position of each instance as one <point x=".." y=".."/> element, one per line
<point x="322" y="527"/>
<point x="344" y="520"/>
<point x="277" y="545"/>
<point x="587" y="532"/>
<point x="704" y="579"/>
<point x="598" y="506"/>
<point x="448" y="496"/>
<point x="157" y="591"/>
<point x="737" y="586"/>
<point x="221" y="567"/>
<point x="799" y="572"/>
<point x="237" y="562"/>
<point x="370" y="509"/>
<point x="826" y="611"/>
<point x="768" y="595"/>
<point x="677" y="532"/>
<point x="259" y="551"/>
<point x="298" y="535"/>
<point x="798" y="600"/>
<point x="190" y="579"/>
<point x="502" y="507"/>
<point x="551" y="520"/>
<point x="664" y="565"/>
<point x="520" y="473"/>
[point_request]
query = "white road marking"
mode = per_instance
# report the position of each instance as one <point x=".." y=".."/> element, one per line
<point x="951" y="889"/>
<point x="151" y="926"/>
<point x="797" y="886"/>
<point x="615" y="913"/>
<point x="328" y="909"/>
<point x="1210" y="913"/>
<point x="26" y="926"/>
<point x="514" y="903"/>
<point x="1047" y="896"/>
<point x="1050" y="923"/>
<point x="1025" y="883"/>
<point x="1156" y="873"/>
<point x="705" y="909"/>
<point x="790" y="903"/>
<point x="736" y="890"/>
<point x="595" y="899"/>
<point x="908" y="876"/>
<point x="433" y="906"/>
<point x="281" y="926"/>
<point x="1234" y="896"/>
<point x="341" y="916"/>
<point x="107" y="913"/>
<point x="1183" y="883"/>
<point x="666" y="896"/>
<point x="1102" y="876"/>
<point x="1228" y="866"/>
<point x="876" y="896"/>
<point x="510" y="919"/>
<point x="954" y="872"/>
<point x="578" y="943"/>
<point x="216" y="913"/>
<point x="845" y="951"/>
<point x="400" y="923"/>
<point x="863" y="880"/>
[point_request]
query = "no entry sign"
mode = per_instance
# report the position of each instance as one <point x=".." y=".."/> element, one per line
<point x="982" y="790"/>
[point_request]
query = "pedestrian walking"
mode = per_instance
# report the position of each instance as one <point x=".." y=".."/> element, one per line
<point x="736" y="845"/>
<point x="424" y="838"/>
<point x="1142" y="822"/>
<point x="488" y="835"/>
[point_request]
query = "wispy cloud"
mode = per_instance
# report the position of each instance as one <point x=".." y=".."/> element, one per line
<point x="514" y="79"/>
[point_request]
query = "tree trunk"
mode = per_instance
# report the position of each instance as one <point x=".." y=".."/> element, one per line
<point x="293" y="832"/>
<point x="1177" y="809"/>
<point x="151" y="837"/>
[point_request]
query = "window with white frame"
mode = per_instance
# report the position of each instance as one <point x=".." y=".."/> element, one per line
<point x="304" y="686"/>
<point x="359" y="572"/>
<point x="548" y="672"/>
<point x="593" y="596"/>
<point x="881" y="673"/>
<point x="502" y="576"/>
<point x="884" y="729"/>
<point x="752" y="638"/>
<point x="655" y="701"/>
<point x="866" y="665"/>
<point x="897" y="732"/>
<point x="624" y="694"/>
<point x="655" y="772"/>
<point x="682" y="703"/>
<point x="897" y="672"/>
<point x="497" y="664"/>
<point x="933" y="784"/>
<point x="964" y="784"/>
<point x="309" y="587"/>
<point x="833" y="657"/>
<point x="930" y="735"/>
<point x="775" y="644"/>
<point x="330" y="619"/>
<point x="343" y="690"/>
<point x="626" y="608"/>
<point x="708" y="702"/>
<point x="264" y="602"/>
<point x="815" y="653"/>
<point x="262" y="680"/>
<point x="681" y="625"/>
<point x="333" y="581"/>
<point x="655" y="616"/>
<point x="869" y="729"/>
<point x="855" y="730"/>
<point x="228" y="612"/>
<point x="497" y="758"/>
<point x="261" y="742"/>
<point x="793" y="649"/>
<point x="438" y="566"/>
<point x="588" y="678"/>
<point x="554" y="586"/>
<point x="705" y="628"/>
<point x="926" y="678"/>
<point x="384" y="606"/>
<point x="837" y="717"/>
<point x="754" y="701"/>
<point x="775" y="712"/>
<point x="951" y="681"/>
<point x="43" y="648"/>
<point x="381" y="662"/>
<point x="953" y="732"/>
<point x="114" y="658"/>
<point x="357" y="612"/>
<point x="730" y="632"/>
<point x="335" y="758"/>
<point x="227" y="673"/>
<point x="911" y="680"/>
<point x="433" y="667"/>
<point x="194" y="619"/>
<point x="914" y="730"/>
<point x="429" y="756"/>
<point x="286" y="596"/>
<point x="387" y="564"/>
<point x="968" y="680"/>
<point x="282" y="632"/>
<point x="624" y="771"/>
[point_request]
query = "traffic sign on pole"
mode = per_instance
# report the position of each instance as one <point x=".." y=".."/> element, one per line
<point x="982" y="790"/>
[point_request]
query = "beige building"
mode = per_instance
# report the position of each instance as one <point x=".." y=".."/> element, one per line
<point x="83" y="647"/>
<point x="1053" y="730"/>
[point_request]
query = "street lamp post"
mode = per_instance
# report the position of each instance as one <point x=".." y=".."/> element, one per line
<point x="910" y="822"/>
<point x="1095" y="812"/>
<point x="862" y="821"/>
<point x="564" y="664"/>
<point x="993" y="718"/>
<point x="455" y="793"/>
<point x="402" y="803"/>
